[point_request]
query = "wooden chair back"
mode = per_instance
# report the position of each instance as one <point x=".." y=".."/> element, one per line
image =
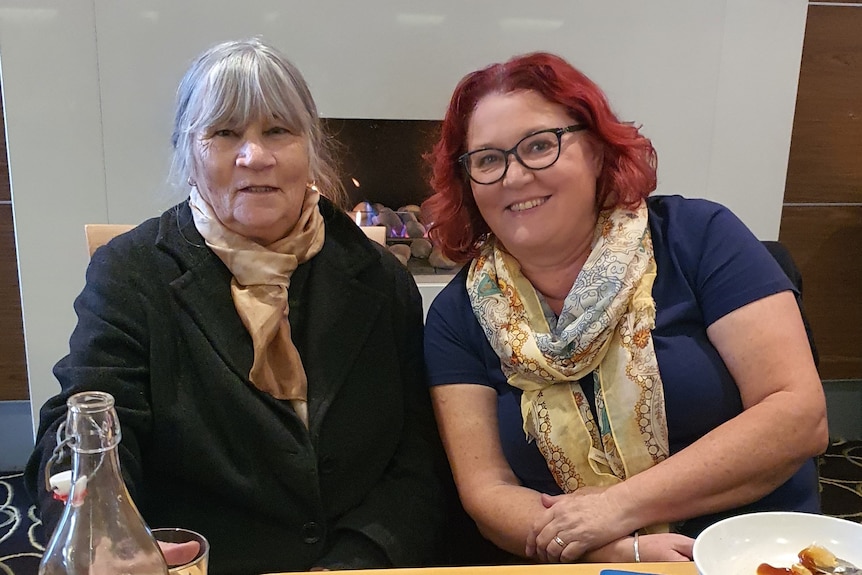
<point x="100" y="234"/>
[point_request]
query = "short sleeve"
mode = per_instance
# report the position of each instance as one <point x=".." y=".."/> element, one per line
<point x="455" y="346"/>
<point x="727" y="266"/>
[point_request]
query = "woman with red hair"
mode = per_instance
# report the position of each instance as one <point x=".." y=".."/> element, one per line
<point x="612" y="371"/>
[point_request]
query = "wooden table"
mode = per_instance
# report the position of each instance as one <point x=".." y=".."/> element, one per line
<point x="679" y="568"/>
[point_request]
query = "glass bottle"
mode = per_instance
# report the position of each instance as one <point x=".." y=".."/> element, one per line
<point x="100" y="531"/>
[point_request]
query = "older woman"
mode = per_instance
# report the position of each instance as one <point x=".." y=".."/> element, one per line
<point x="611" y="372"/>
<point x="265" y="357"/>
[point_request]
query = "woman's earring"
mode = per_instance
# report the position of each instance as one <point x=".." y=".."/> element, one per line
<point x="191" y="182"/>
<point x="312" y="186"/>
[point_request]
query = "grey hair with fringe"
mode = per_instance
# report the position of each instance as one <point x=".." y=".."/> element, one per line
<point x="240" y="81"/>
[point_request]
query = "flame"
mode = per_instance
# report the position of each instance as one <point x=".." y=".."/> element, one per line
<point x="355" y="182"/>
<point x="358" y="218"/>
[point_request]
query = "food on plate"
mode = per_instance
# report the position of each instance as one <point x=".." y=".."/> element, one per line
<point x="817" y="558"/>
<point x="812" y="560"/>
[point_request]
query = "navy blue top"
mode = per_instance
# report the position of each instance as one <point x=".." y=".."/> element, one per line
<point x="709" y="264"/>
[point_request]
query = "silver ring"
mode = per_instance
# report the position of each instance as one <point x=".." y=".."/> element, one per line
<point x="559" y="542"/>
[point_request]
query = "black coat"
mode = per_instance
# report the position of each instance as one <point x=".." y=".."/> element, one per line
<point x="202" y="448"/>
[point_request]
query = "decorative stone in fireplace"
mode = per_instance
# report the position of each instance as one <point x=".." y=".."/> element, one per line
<point x="386" y="178"/>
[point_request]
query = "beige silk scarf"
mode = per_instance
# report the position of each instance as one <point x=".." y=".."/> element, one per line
<point x="261" y="278"/>
<point x="604" y="328"/>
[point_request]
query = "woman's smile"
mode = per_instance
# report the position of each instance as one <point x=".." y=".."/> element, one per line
<point x="528" y="204"/>
<point x="258" y="189"/>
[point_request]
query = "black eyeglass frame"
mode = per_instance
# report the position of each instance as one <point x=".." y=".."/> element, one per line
<point x="464" y="158"/>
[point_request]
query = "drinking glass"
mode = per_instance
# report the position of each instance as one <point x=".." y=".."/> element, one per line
<point x="198" y="565"/>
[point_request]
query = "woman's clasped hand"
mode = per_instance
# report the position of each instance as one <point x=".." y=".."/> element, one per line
<point x="575" y="523"/>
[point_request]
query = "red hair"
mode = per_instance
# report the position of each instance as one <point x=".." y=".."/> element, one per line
<point x="628" y="170"/>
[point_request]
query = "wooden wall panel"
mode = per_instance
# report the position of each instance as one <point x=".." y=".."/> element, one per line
<point x="13" y="368"/>
<point x="825" y="162"/>
<point x="821" y="222"/>
<point x="826" y="242"/>
<point x="13" y="364"/>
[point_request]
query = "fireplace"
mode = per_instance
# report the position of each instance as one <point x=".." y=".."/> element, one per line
<point x="386" y="179"/>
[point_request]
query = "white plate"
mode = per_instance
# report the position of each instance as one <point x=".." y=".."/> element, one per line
<point x="737" y="545"/>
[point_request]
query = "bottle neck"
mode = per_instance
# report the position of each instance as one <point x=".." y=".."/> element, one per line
<point x="93" y="425"/>
<point x="94" y="432"/>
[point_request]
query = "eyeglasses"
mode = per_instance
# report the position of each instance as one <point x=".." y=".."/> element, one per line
<point x="537" y="151"/>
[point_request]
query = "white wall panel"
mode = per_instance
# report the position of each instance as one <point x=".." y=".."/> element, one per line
<point x="397" y="59"/>
<point x="756" y="99"/>
<point x="89" y="105"/>
<point x="53" y="133"/>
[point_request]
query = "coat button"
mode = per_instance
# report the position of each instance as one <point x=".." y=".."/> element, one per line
<point x="311" y="532"/>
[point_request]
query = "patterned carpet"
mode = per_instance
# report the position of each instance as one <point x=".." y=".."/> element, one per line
<point x="841" y="480"/>
<point x="20" y="529"/>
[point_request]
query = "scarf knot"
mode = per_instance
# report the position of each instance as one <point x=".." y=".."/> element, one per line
<point x="259" y="288"/>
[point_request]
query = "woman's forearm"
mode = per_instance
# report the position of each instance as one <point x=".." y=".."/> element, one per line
<point x="618" y="551"/>
<point x="737" y="463"/>
<point x="504" y="515"/>
<point x="764" y="347"/>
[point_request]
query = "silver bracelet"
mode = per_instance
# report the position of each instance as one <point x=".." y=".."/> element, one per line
<point x="637" y="551"/>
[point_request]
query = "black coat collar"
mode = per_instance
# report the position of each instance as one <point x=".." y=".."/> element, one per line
<point x="341" y="291"/>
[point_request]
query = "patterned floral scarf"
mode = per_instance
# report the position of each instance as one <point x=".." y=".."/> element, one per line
<point x="261" y="278"/>
<point x="604" y="328"/>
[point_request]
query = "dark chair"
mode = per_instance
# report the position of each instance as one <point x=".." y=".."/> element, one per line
<point x="785" y="260"/>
